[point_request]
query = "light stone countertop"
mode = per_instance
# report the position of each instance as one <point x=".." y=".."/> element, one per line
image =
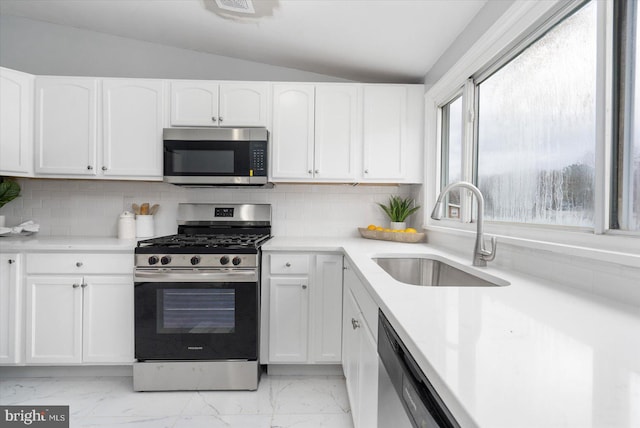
<point x="531" y="354"/>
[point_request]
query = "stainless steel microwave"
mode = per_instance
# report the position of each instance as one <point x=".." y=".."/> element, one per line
<point x="215" y="156"/>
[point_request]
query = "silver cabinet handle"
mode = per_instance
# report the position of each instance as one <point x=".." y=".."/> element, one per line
<point x="104" y="168"/>
<point x="78" y="264"/>
<point x="355" y="323"/>
<point x="287" y="264"/>
<point x="310" y="172"/>
<point x="11" y="261"/>
<point x="83" y="285"/>
<point x="213" y="119"/>
<point x="366" y="171"/>
<point x="220" y="119"/>
<point x="317" y="171"/>
<point x="304" y="287"/>
<point x="76" y="285"/>
<point x="89" y="167"/>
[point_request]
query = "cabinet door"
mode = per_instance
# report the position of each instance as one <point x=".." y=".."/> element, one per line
<point x="16" y="109"/>
<point x="54" y="319"/>
<point x="66" y="132"/>
<point x="351" y="349"/>
<point x="367" y="379"/>
<point x="107" y="319"/>
<point x="243" y="104"/>
<point x="194" y="103"/>
<point x="288" y="319"/>
<point x="326" y="310"/>
<point x="292" y="132"/>
<point x="336" y="132"/>
<point x="9" y="304"/>
<point x="133" y="111"/>
<point x="384" y="131"/>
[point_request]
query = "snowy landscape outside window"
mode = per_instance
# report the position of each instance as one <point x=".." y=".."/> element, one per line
<point x="536" y="129"/>
<point x="452" y="153"/>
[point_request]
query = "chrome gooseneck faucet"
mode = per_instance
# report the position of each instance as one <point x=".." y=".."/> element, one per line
<point x="480" y="254"/>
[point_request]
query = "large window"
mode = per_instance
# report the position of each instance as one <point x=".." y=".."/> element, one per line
<point x="536" y="129"/>
<point x="452" y="153"/>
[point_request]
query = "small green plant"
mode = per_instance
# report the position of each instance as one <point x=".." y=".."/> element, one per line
<point x="9" y="190"/>
<point x="399" y="208"/>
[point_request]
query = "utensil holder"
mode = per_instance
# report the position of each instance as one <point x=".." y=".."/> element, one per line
<point x="144" y="226"/>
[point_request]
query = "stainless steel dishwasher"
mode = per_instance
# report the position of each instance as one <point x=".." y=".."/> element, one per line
<point x="406" y="398"/>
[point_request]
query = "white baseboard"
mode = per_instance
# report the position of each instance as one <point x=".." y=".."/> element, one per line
<point x="305" y="370"/>
<point x="65" y="371"/>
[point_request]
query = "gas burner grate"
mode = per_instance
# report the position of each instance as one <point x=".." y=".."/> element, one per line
<point x="205" y="241"/>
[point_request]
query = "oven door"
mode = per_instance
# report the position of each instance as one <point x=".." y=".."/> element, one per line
<point x="196" y="320"/>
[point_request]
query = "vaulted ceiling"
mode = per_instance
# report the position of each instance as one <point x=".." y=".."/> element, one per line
<point x="366" y="40"/>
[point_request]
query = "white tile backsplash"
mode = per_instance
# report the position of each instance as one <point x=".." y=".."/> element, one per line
<point x="92" y="207"/>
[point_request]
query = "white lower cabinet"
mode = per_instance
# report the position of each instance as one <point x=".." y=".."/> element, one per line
<point x="81" y="318"/>
<point x="302" y="303"/>
<point x="359" y="353"/>
<point x="10" y="286"/>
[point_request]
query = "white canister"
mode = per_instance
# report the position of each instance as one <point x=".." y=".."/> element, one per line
<point x="144" y="226"/>
<point x="127" y="226"/>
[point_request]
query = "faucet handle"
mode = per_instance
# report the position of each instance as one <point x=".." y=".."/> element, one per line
<point x="489" y="255"/>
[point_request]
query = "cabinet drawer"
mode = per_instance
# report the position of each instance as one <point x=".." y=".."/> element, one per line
<point x="289" y="263"/>
<point x="75" y="263"/>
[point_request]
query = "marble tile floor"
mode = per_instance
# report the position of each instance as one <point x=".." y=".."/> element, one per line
<point x="279" y="402"/>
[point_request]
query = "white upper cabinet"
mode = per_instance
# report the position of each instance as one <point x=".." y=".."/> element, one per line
<point x="292" y="133"/>
<point x="315" y="132"/>
<point x="66" y="126"/>
<point x="337" y="132"/>
<point x="70" y="111"/>
<point x="205" y="103"/>
<point x="16" y="123"/>
<point x="133" y="112"/>
<point x="392" y="135"/>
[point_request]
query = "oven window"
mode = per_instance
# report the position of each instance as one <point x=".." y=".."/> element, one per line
<point x="199" y="161"/>
<point x="196" y="310"/>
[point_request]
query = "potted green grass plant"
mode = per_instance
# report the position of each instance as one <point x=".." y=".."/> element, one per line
<point x="398" y="209"/>
<point x="9" y="190"/>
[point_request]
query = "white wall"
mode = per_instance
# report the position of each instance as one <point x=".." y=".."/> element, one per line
<point x="91" y="208"/>
<point x="42" y="48"/>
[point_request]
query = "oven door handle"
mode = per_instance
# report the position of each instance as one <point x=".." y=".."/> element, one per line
<point x="200" y="275"/>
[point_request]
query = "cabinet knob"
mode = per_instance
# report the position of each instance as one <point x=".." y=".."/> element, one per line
<point x="84" y="284"/>
<point x="287" y="264"/>
<point x="304" y="287"/>
<point x="355" y="323"/>
<point x="89" y="167"/>
<point x="79" y="264"/>
<point x="310" y="172"/>
<point x="366" y="171"/>
<point x="11" y="261"/>
<point x="317" y="171"/>
<point x="213" y="119"/>
<point x="220" y="119"/>
<point x="76" y="285"/>
<point x="104" y="168"/>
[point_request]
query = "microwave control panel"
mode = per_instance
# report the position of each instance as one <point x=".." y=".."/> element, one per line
<point x="258" y="158"/>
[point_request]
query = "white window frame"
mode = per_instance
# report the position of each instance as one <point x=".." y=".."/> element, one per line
<point x="492" y="50"/>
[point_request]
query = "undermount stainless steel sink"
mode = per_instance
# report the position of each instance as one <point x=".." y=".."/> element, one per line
<point x="428" y="271"/>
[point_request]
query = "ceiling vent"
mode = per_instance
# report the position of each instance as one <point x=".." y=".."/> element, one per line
<point x="240" y="6"/>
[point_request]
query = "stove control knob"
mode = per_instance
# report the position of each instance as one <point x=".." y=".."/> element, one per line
<point x="195" y="260"/>
<point x="224" y="260"/>
<point x="236" y="261"/>
<point x="165" y="260"/>
<point x="153" y="260"/>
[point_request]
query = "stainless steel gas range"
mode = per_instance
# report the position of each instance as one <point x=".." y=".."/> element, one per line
<point x="197" y="300"/>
